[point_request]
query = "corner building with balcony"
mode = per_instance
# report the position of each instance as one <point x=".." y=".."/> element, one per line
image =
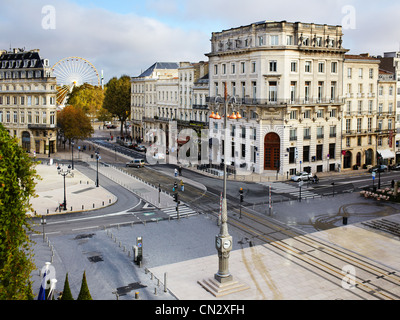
<point x="28" y="100"/>
<point x="287" y="82"/>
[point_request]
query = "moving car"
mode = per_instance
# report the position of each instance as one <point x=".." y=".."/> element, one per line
<point x="302" y="176"/>
<point x="378" y="168"/>
<point x="136" y="163"/>
<point x="140" y="148"/>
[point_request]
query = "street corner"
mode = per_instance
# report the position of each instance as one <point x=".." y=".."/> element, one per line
<point x="67" y="191"/>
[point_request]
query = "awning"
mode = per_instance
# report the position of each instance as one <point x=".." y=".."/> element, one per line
<point x="386" y="154"/>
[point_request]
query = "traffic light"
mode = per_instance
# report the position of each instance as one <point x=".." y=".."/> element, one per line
<point x="241" y="194"/>
<point x="176" y="197"/>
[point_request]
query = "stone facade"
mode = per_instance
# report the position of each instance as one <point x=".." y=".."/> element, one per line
<point x="286" y="79"/>
<point x="28" y="100"/>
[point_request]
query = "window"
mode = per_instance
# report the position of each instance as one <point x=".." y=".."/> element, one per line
<point x="320" y="90"/>
<point x="293" y="90"/>
<point x="334" y="67"/>
<point x="320" y="133"/>
<point x="307" y="67"/>
<point x="306" y="153"/>
<point x="307" y="114"/>
<point x="274" y="40"/>
<point x="224" y="68"/>
<point x="243" y="150"/>
<point x="307" y="134"/>
<point x="371" y="73"/>
<point x="349" y="73"/>
<point x="216" y="69"/>
<point x="333" y="90"/>
<point x="293" y="115"/>
<point x="359" y="123"/>
<point x="293" y="134"/>
<point x="233" y="68"/>
<point x="332" y="148"/>
<point x="319" y="151"/>
<point x="320" y="113"/>
<point x="307" y="91"/>
<point x="360" y="73"/>
<point x="253" y="66"/>
<point x="332" y="131"/>
<point x="289" y="40"/>
<point x="321" y="67"/>
<point x="242" y="67"/>
<point x="293" y="66"/>
<point x="273" y="91"/>
<point x="272" y="66"/>
<point x="260" y="41"/>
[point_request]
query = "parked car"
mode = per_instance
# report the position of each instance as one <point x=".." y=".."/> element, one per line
<point x="140" y="148"/>
<point x="302" y="176"/>
<point x="159" y="156"/>
<point x="378" y="168"/>
<point x="136" y="163"/>
<point x="395" y="167"/>
<point x="128" y="144"/>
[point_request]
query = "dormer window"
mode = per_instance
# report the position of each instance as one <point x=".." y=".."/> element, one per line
<point x="26" y="63"/>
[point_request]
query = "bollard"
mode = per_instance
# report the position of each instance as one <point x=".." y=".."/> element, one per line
<point x="155" y="291"/>
<point x="93" y="205"/>
<point x="83" y="207"/>
<point x="165" y="282"/>
<point x="137" y="295"/>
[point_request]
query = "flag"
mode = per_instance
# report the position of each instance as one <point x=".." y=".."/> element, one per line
<point x="42" y="291"/>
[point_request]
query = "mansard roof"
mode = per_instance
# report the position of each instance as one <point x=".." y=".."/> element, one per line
<point x="159" y="65"/>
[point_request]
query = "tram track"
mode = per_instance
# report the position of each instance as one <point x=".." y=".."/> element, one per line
<point x="315" y="255"/>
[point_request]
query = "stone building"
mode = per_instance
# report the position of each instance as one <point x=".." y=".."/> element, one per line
<point x="28" y="100"/>
<point x="286" y="80"/>
<point x="359" y="131"/>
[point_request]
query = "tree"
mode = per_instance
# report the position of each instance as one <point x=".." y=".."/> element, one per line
<point x="84" y="293"/>
<point x="74" y="124"/>
<point x="66" y="294"/>
<point x="117" y="99"/>
<point x="88" y="98"/>
<point x="17" y="186"/>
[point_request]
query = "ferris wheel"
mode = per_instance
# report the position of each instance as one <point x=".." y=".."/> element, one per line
<point x="71" y="72"/>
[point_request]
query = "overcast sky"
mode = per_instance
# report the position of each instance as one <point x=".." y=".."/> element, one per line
<point x="127" y="36"/>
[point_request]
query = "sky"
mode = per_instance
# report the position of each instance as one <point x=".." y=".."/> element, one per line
<point x="125" y="37"/>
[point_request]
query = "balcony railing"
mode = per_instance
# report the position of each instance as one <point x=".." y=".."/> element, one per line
<point x="278" y="102"/>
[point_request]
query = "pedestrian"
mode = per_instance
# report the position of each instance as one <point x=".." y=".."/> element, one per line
<point x="180" y="170"/>
<point x="182" y="186"/>
<point x="176" y="172"/>
<point x="175" y="186"/>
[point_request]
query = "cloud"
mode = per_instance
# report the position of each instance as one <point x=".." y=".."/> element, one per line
<point x="118" y="43"/>
<point x="122" y="42"/>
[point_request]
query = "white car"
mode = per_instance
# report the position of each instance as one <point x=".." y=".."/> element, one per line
<point x="159" y="156"/>
<point x="302" y="176"/>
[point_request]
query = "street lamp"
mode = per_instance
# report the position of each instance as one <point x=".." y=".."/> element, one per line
<point x="97" y="160"/>
<point x="43" y="222"/>
<point x="72" y="144"/>
<point x="64" y="173"/>
<point x="223" y="240"/>
<point x="49" y="142"/>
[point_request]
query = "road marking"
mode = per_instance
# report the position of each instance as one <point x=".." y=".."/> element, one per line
<point x="94" y="227"/>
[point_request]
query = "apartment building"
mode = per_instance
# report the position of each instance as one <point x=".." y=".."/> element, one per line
<point x="359" y="131"/>
<point x="28" y="100"/>
<point x="391" y="62"/>
<point x="386" y="118"/>
<point x="169" y="96"/>
<point x="286" y="81"/>
<point x="146" y="111"/>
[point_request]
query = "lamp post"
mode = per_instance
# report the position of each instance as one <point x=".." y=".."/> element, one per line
<point x="72" y="144"/>
<point x="64" y="173"/>
<point x="97" y="173"/>
<point x="223" y="240"/>
<point x="49" y="142"/>
<point x="43" y="222"/>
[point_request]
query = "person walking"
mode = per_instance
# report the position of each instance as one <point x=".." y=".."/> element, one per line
<point x="182" y="186"/>
<point x="176" y="172"/>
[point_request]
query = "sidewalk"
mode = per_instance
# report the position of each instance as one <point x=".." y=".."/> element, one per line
<point x="81" y="192"/>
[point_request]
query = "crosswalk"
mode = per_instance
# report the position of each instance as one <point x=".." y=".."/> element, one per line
<point x="291" y="189"/>
<point x="184" y="211"/>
